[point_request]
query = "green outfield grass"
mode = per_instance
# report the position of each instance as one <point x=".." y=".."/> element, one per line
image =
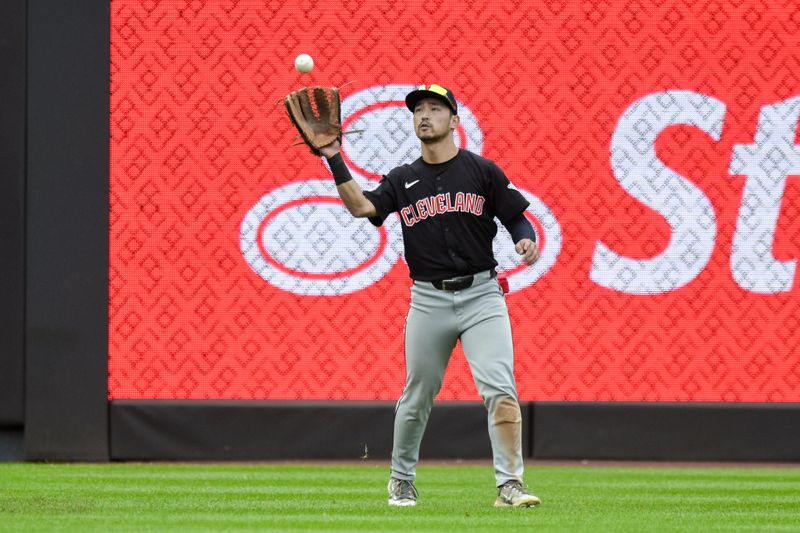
<point x="453" y="499"/>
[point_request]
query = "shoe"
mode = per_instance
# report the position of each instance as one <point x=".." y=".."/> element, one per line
<point x="402" y="493"/>
<point x="514" y="494"/>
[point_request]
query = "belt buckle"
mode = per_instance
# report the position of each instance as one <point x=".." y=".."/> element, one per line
<point x="456" y="284"/>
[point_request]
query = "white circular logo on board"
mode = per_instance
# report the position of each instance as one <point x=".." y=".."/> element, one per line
<point x="301" y="238"/>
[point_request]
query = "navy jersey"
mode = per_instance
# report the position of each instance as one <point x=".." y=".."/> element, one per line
<point x="447" y="212"/>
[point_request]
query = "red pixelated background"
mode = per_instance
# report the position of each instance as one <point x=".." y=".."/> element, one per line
<point x="197" y="140"/>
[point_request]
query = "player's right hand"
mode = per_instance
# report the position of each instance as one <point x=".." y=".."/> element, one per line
<point x="331" y="149"/>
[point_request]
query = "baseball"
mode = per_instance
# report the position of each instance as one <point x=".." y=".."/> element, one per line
<point x="303" y="63"/>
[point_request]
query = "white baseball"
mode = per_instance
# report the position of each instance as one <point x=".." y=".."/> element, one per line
<point x="303" y="63"/>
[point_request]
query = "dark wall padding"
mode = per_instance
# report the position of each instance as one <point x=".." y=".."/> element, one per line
<point x="12" y="213"/>
<point x="66" y="407"/>
<point x="11" y="444"/>
<point x="667" y="431"/>
<point x="239" y="430"/>
<point x="246" y="430"/>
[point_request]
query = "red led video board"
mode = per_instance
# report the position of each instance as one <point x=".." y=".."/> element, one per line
<point x="656" y="141"/>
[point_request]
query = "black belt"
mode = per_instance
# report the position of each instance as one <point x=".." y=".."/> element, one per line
<point x="453" y="284"/>
<point x="456" y="284"/>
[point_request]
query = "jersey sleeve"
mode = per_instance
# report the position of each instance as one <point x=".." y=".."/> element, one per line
<point x="506" y="200"/>
<point x="384" y="198"/>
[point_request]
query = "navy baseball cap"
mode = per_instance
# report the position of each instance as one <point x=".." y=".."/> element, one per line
<point x="431" y="91"/>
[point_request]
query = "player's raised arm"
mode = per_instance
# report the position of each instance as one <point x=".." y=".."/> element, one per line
<point x="316" y="113"/>
<point x="349" y="191"/>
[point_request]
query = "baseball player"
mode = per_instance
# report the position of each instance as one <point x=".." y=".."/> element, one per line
<point x="447" y="201"/>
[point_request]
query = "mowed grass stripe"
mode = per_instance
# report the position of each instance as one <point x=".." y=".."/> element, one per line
<point x="453" y="499"/>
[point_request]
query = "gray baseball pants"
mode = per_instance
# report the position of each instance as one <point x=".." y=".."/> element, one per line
<point x="436" y="320"/>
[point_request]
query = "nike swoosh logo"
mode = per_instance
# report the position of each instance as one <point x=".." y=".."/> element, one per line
<point x="511" y="186"/>
<point x="409" y="185"/>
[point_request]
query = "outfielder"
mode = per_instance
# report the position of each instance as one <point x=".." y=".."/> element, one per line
<point x="447" y="201"/>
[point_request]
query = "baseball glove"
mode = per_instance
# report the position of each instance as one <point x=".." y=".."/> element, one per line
<point x="316" y="113"/>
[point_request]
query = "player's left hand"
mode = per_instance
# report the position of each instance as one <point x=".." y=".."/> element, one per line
<point x="528" y="250"/>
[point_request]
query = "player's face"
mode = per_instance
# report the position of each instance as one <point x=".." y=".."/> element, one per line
<point x="433" y="120"/>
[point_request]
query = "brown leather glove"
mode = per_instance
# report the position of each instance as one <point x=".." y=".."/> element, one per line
<point x="316" y="113"/>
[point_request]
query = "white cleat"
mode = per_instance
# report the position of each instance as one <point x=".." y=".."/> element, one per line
<point x="402" y="493"/>
<point x="514" y="494"/>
